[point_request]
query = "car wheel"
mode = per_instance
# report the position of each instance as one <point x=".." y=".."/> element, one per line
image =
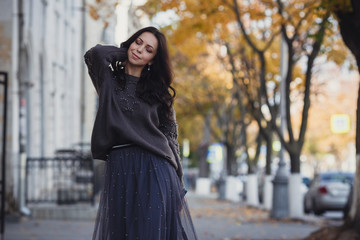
<point x="307" y="210"/>
<point x="316" y="210"/>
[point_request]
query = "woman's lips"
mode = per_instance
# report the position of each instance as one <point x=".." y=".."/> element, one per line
<point x="135" y="56"/>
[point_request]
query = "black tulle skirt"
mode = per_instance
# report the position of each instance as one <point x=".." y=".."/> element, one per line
<point x="142" y="199"/>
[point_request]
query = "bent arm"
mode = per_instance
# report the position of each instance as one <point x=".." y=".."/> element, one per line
<point x="99" y="58"/>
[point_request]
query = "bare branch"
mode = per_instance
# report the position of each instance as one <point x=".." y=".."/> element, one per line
<point x="311" y="58"/>
<point x="241" y="24"/>
<point x="271" y="40"/>
<point x="308" y="12"/>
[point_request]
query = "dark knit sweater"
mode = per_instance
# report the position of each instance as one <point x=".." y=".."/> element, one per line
<point x="124" y="118"/>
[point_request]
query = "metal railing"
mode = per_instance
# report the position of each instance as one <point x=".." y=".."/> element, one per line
<point x="4" y="82"/>
<point x="64" y="179"/>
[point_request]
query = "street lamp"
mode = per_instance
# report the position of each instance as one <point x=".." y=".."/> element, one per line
<point x="280" y="204"/>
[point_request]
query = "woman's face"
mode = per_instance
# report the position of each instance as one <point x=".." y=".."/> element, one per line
<point x="143" y="50"/>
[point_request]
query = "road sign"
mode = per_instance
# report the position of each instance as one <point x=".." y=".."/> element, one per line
<point x="215" y="153"/>
<point x="340" y="123"/>
<point x="186" y="147"/>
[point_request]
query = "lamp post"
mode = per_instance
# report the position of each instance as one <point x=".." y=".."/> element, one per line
<point x="280" y="204"/>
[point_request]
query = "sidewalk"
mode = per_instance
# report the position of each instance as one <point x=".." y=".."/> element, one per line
<point x="49" y="230"/>
<point x="213" y="220"/>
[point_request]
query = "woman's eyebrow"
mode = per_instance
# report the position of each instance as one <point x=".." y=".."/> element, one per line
<point x="147" y="44"/>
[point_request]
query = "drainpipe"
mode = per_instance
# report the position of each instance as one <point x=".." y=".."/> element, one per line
<point x="22" y="115"/>
<point x="82" y="84"/>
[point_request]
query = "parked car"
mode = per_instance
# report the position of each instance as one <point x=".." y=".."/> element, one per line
<point x="347" y="207"/>
<point x="304" y="187"/>
<point x="328" y="191"/>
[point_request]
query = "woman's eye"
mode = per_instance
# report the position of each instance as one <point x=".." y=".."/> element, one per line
<point x="149" y="50"/>
<point x="138" y="42"/>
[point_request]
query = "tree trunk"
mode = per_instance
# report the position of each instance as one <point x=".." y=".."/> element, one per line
<point x="204" y="167"/>
<point x="269" y="142"/>
<point x="295" y="161"/>
<point x="354" y="216"/>
<point x="349" y="22"/>
<point x="231" y="160"/>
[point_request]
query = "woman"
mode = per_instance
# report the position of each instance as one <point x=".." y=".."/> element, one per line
<point x="135" y="131"/>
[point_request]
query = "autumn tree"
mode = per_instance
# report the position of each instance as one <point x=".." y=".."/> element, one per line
<point x="348" y="15"/>
<point x="206" y="29"/>
<point x="244" y="71"/>
<point x="102" y="10"/>
<point x="211" y="95"/>
<point x="199" y="97"/>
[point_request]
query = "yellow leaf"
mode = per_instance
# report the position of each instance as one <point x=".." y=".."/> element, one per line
<point x="93" y="12"/>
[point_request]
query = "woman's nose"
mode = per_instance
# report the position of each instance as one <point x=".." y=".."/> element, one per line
<point x="140" y="49"/>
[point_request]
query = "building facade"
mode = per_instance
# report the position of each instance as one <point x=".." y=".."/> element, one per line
<point x="44" y="61"/>
<point x="51" y="103"/>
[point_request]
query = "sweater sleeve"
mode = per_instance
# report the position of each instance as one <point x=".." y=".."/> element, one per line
<point x="170" y="130"/>
<point x="99" y="58"/>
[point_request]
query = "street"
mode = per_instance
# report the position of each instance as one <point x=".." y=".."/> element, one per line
<point x="213" y="220"/>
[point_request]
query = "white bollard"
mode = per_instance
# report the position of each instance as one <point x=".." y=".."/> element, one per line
<point x="203" y="186"/>
<point x="296" y="198"/>
<point x="233" y="189"/>
<point x="268" y="192"/>
<point x="252" y="192"/>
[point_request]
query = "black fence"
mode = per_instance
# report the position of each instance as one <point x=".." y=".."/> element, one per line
<point x="65" y="179"/>
<point x="3" y="104"/>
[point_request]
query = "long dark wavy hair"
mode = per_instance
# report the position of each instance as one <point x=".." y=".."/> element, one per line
<point x="154" y="86"/>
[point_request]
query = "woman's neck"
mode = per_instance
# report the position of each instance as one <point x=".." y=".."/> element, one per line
<point x="133" y="71"/>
